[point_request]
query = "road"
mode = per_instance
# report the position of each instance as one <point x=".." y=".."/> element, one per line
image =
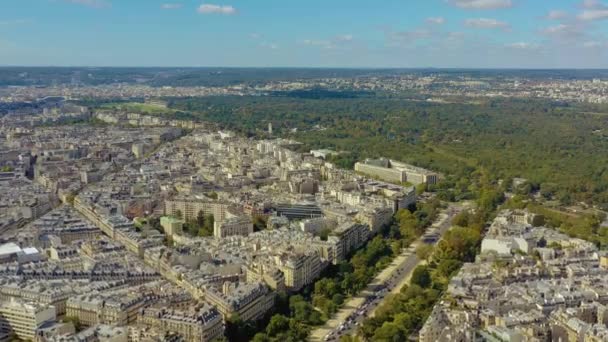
<point x="390" y="280"/>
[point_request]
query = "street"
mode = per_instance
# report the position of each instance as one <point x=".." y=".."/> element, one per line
<point x="390" y="280"/>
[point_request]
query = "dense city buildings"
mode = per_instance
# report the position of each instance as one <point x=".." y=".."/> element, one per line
<point x="530" y="283"/>
<point x="124" y="216"/>
<point x="149" y="228"/>
<point x="23" y="319"/>
<point x="434" y="85"/>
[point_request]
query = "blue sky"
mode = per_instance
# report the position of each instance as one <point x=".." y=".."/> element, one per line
<point x="311" y="33"/>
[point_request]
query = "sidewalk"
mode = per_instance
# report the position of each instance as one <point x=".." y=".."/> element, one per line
<point x="354" y="302"/>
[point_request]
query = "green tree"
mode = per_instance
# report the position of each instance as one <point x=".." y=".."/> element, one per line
<point x="389" y="332"/>
<point x="259" y="222"/>
<point x="337" y="299"/>
<point x="260" y="337"/>
<point x="405" y="322"/>
<point x="200" y="218"/>
<point x="421" y="276"/>
<point x="447" y="267"/>
<point x="74" y="320"/>
<point x="209" y="221"/>
<point x="239" y="330"/>
<point x="297" y="331"/>
<point x="278" y="324"/>
<point x="461" y="219"/>
<point x="424" y="251"/>
<point x="420" y="188"/>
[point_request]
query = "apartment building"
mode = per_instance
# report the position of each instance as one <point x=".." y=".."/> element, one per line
<point x="92" y="309"/>
<point x="202" y="325"/>
<point x="237" y="225"/>
<point x="394" y="171"/>
<point x="24" y="318"/>
<point x="190" y="208"/>
<point x="300" y="269"/>
<point x="250" y="301"/>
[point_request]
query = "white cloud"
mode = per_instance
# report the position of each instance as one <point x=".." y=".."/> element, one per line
<point x="593" y="4"/>
<point x="408" y="37"/>
<point x="216" y="9"/>
<point x="593" y="14"/>
<point x="345" y="38"/>
<point x="435" y="20"/>
<point x="337" y="41"/>
<point x="255" y="35"/>
<point x="271" y="46"/>
<point x="171" y="6"/>
<point x="522" y="45"/>
<point x="486" y="23"/>
<point x="561" y="29"/>
<point x="565" y="33"/>
<point x="481" y="4"/>
<point x="556" y="15"/>
<point x="593" y="10"/>
<point x="90" y="3"/>
<point x="556" y="29"/>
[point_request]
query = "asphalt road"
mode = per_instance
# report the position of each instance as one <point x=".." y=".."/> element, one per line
<point x="375" y="294"/>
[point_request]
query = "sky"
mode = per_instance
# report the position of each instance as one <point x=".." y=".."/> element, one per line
<point x="306" y="33"/>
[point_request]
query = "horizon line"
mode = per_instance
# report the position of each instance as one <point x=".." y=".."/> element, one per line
<point x="297" y="67"/>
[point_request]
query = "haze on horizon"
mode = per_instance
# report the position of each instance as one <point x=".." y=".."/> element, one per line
<point x="315" y="33"/>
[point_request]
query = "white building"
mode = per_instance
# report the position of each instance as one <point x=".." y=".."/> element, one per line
<point x="24" y="318"/>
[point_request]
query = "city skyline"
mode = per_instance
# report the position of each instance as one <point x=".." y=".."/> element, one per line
<point x="399" y="34"/>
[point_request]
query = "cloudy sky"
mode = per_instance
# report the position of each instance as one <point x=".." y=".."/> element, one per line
<point x="308" y="33"/>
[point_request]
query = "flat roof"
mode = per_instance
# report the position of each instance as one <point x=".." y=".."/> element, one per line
<point x="9" y="248"/>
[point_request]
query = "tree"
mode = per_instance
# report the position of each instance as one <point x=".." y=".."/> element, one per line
<point x="203" y="232"/>
<point x="337" y="299"/>
<point x="260" y="337"/>
<point x="389" y="332"/>
<point x="74" y="320"/>
<point x="326" y="287"/>
<point x="420" y="188"/>
<point x="209" y="221"/>
<point x="538" y="220"/>
<point x="69" y="199"/>
<point x="447" y="267"/>
<point x="278" y="324"/>
<point x="421" y="276"/>
<point x="239" y="330"/>
<point x="459" y="243"/>
<point x="324" y="233"/>
<point x="297" y="331"/>
<point x="179" y="215"/>
<point x="548" y="190"/>
<point x="259" y="222"/>
<point x="200" y="218"/>
<point x="461" y="219"/>
<point x="404" y="321"/>
<point x="300" y="309"/>
<point x="424" y="251"/>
